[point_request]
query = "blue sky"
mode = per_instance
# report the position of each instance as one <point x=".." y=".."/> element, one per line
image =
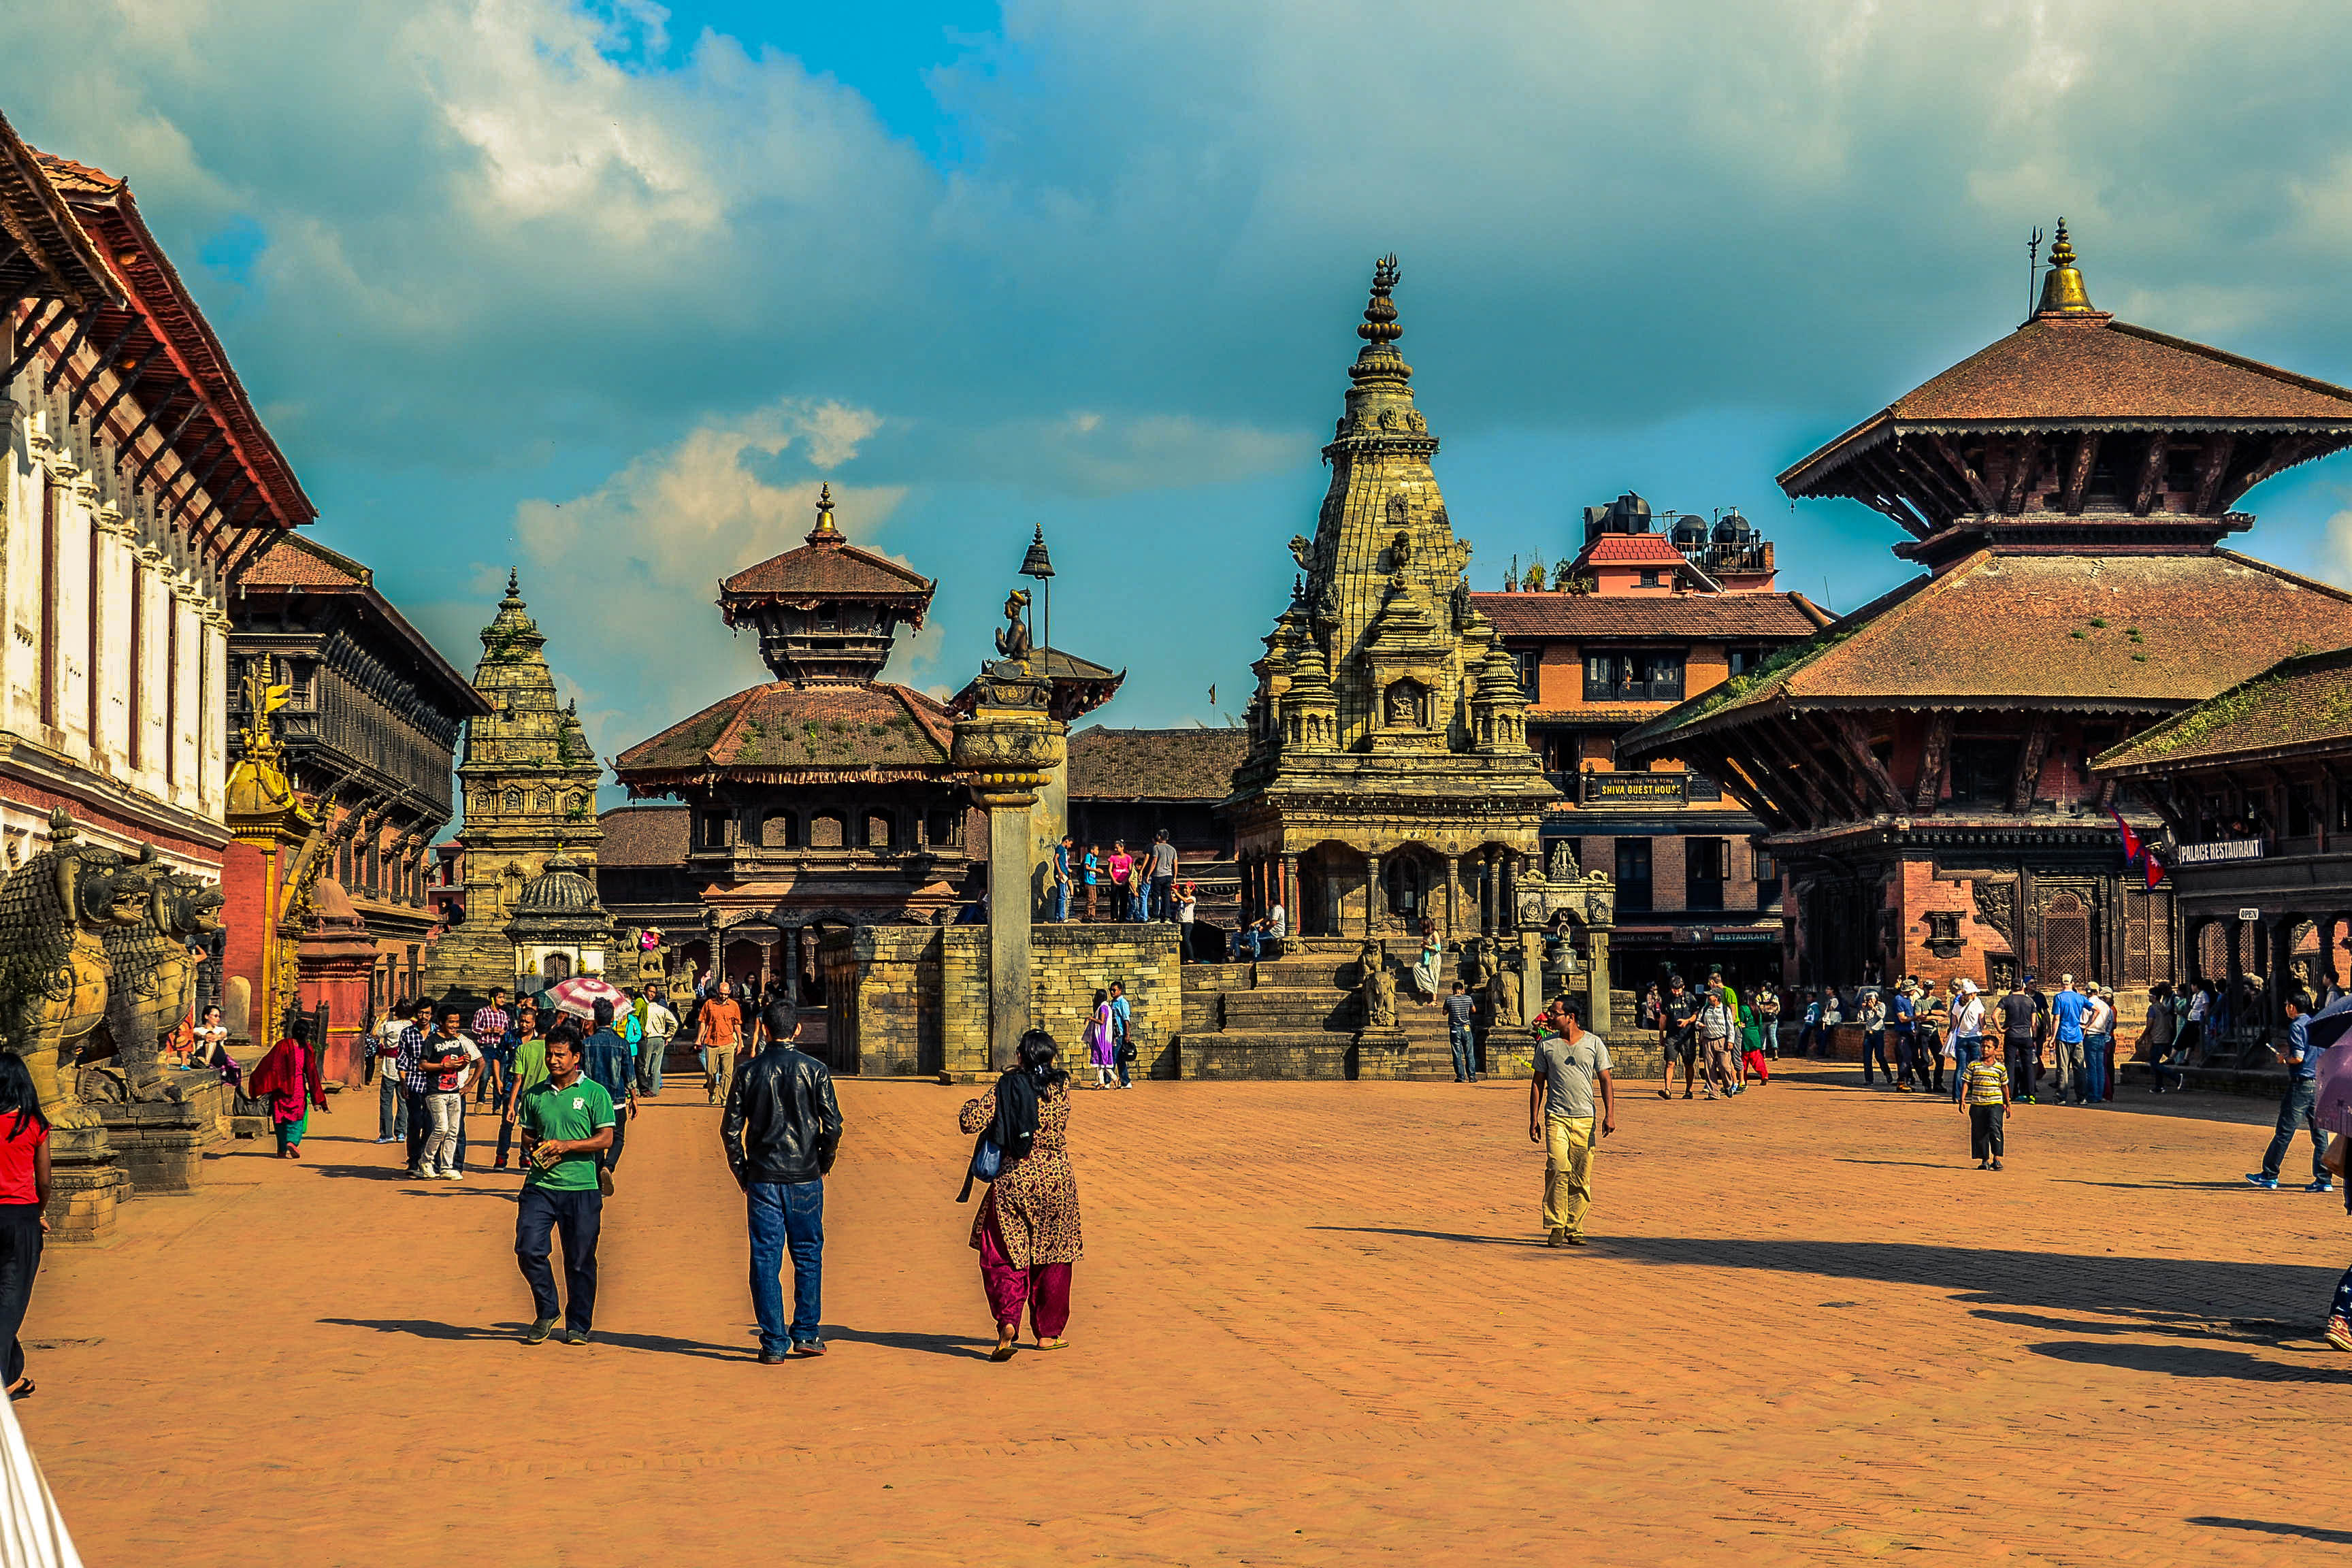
<point x="605" y="290"/>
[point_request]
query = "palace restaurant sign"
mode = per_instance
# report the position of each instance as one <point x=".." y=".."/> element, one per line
<point x="2218" y="851"/>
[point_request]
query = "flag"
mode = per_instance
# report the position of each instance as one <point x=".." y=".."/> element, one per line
<point x="2132" y="848"/>
<point x="2152" y="865"/>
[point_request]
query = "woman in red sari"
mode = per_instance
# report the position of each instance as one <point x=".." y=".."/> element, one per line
<point x="290" y="1079"/>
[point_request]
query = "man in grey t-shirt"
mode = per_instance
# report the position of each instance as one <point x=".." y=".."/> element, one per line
<point x="1162" y="861"/>
<point x="1570" y="1066"/>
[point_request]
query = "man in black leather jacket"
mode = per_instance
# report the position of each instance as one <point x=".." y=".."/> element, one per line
<point x="780" y="1132"/>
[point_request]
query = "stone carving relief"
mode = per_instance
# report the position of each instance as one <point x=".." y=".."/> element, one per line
<point x="1377" y="987"/>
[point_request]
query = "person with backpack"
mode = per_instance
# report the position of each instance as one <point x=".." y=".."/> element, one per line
<point x="1027" y="1231"/>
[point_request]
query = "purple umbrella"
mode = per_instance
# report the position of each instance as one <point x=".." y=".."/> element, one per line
<point x="2329" y="1028"/>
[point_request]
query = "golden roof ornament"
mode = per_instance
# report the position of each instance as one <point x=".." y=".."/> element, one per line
<point x="825" y="532"/>
<point x="2062" y="293"/>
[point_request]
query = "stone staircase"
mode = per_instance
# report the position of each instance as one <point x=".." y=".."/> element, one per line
<point x="1295" y="1017"/>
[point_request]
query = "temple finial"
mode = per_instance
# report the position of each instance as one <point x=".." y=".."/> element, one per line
<point x="825" y="532"/>
<point x="1380" y="315"/>
<point x="514" y="589"/>
<point x="2062" y="293"/>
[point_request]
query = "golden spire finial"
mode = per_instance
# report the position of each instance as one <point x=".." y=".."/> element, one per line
<point x="825" y="532"/>
<point x="2062" y="293"/>
<point x="1380" y="315"/>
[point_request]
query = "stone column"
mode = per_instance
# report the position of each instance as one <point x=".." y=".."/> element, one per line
<point x="1490" y="862"/>
<point x="1049" y="819"/>
<point x="1007" y="746"/>
<point x="1372" y="911"/>
<point x="791" y="948"/>
<point x="1596" y="980"/>
<point x="1290" y="893"/>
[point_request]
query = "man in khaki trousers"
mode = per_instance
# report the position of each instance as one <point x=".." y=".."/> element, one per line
<point x="718" y="1030"/>
<point x="1570" y="1066"/>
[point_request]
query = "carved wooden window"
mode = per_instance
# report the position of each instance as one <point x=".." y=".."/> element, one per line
<point x="942" y="828"/>
<point x="827" y="830"/>
<point x="714" y="829"/>
<point x="881" y="830"/>
<point x="2067" y="937"/>
<point x="780" y="830"/>
<point x="1633" y="677"/>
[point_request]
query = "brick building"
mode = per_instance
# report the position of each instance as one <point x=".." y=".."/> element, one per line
<point x="1643" y="616"/>
<point x="1922" y="764"/>
<point x="1130" y="783"/>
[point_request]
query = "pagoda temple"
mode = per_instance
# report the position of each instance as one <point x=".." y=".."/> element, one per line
<point x="1922" y="764"/>
<point x="1387" y="776"/>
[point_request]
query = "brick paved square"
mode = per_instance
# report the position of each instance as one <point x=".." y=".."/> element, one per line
<point x="1315" y="1325"/>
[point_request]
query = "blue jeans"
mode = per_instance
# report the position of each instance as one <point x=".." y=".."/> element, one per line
<point x="392" y="1105"/>
<point x="1963" y="1053"/>
<point x="786" y="1215"/>
<point x="2295" y="1110"/>
<point x="577" y="1217"/>
<point x="1060" y="903"/>
<point x="2096" y="1051"/>
<point x="1466" y="1061"/>
<point x="1874" y="1048"/>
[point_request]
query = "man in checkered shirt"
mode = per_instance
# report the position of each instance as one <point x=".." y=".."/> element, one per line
<point x="489" y="1031"/>
<point x="408" y="1061"/>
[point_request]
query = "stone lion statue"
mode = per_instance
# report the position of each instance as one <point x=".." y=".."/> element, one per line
<point x="54" y="975"/>
<point x="1503" y="995"/>
<point x="1378" y="987"/>
<point x="154" y="971"/>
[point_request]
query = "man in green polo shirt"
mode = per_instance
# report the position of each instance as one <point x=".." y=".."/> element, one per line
<point x="567" y="1122"/>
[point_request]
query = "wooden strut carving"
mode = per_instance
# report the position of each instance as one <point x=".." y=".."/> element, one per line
<point x="2028" y="764"/>
<point x="1856" y="744"/>
<point x="2078" y="473"/>
<point x="1996" y="901"/>
<point x="1934" y="756"/>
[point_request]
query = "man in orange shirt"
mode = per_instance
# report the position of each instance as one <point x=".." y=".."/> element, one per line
<point x="720" y="1031"/>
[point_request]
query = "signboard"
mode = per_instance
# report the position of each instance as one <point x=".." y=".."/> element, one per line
<point x="2217" y="851"/>
<point x="1633" y="789"/>
<point x="2249" y="916"/>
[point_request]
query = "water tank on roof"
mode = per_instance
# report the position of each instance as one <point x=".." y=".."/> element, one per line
<point x="1689" y="532"/>
<point x="1733" y="529"/>
<point x="1629" y="514"/>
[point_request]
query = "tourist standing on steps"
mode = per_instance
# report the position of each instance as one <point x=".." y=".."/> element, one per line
<point x="567" y="1122"/>
<point x="1424" y="969"/>
<point x="1122" y="873"/>
<point x="1060" y="909"/>
<point x="448" y="1057"/>
<point x="781" y="1131"/>
<point x="1571" y="1067"/>
<point x="1187" y="906"/>
<point x="605" y="1057"/>
<point x="1460" y="1010"/>
<point x="1163" y="875"/>
<point x="718" y="1030"/>
<point x="1091" y="868"/>
<point x="288" y="1077"/>
<point x="2067" y="1010"/>
<point x="1983" y="1090"/>
<point x="529" y="1072"/>
<point x="2299" y="1106"/>
<point x="1028" y="1232"/>
<point x="23" y="1205"/>
<point x="1102" y="1040"/>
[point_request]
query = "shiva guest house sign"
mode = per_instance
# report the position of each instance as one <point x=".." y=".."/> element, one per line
<point x="1633" y="789"/>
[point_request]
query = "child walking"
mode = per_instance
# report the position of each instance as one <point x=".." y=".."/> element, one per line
<point x="1984" y="1090"/>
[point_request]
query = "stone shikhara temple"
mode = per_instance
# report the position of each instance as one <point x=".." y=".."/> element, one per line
<point x="1923" y="763"/>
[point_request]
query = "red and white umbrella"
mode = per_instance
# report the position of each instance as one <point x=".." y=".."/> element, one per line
<point x="580" y="995"/>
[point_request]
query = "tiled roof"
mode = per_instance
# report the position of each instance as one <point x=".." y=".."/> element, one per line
<point x="828" y="570"/>
<point x="783" y="732"/>
<point x="291" y="561"/>
<point x="2297" y="705"/>
<point x="1155" y="764"/>
<point x="643" y="836"/>
<point x="2127" y="632"/>
<point x="2089" y="373"/>
<point x="50" y="251"/>
<point x="1710" y="615"/>
<point x="1630" y="550"/>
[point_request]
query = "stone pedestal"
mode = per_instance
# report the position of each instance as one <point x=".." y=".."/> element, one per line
<point x="1381" y="1053"/>
<point x="1009" y="745"/>
<point x="1510" y="1052"/>
<point x="87" y="1183"/>
<point x="160" y="1143"/>
<point x="1596" y="980"/>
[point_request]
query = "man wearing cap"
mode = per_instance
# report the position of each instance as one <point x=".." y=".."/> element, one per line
<point x="1968" y="1031"/>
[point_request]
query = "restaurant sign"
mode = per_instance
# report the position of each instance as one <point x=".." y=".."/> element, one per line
<point x="2217" y="850"/>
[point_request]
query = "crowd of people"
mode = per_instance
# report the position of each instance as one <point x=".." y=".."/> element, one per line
<point x="1723" y="1042"/>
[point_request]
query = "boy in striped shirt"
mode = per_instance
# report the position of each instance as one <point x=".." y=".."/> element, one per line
<point x="1984" y="1089"/>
